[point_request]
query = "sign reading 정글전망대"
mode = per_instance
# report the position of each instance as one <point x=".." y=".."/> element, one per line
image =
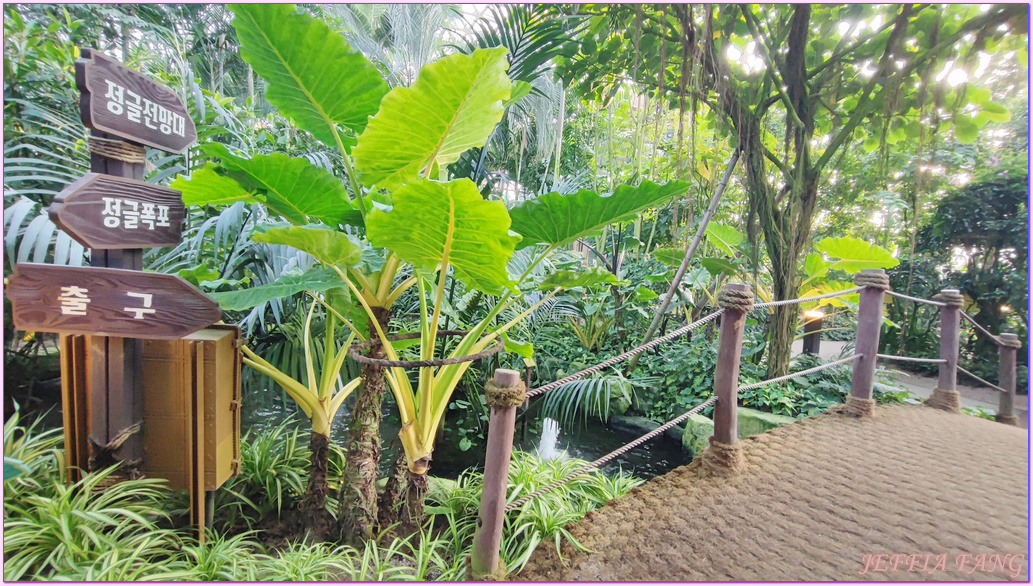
<point x="127" y="104"/>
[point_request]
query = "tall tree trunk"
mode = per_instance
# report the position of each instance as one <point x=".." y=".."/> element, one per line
<point x="357" y="512"/>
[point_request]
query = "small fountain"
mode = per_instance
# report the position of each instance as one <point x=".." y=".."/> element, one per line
<point x="547" y="449"/>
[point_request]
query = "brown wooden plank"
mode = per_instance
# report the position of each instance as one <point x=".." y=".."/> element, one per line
<point x="127" y="104"/>
<point x="108" y="212"/>
<point x="107" y="302"/>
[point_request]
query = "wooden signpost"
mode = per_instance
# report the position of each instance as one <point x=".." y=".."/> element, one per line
<point x="104" y="212"/>
<point x="107" y="302"/>
<point x="126" y="104"/>
<point x="104" y="311"/>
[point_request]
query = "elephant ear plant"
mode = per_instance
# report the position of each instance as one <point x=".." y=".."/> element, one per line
<point x="422" y="226"/>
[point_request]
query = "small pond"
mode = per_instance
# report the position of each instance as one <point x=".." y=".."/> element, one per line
<point x="588" y="441"/>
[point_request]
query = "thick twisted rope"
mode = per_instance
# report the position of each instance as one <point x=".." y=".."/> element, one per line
<point x="950" y="298"/>
<point x="989" y="384"/>
<point x="734" y="299"/>
<point x="801" y="373"/>
<point x="876" y="280"/>
<point x="621" y="357"/>
<point x="916" y="299"/>
<point x="501" y="397"/>
<point x="983" y="330"/>
<point x="806" y="299"/>
<point x="116" y="149"/>
<point x="912" y="359"/>
<point x="621" y="450"/>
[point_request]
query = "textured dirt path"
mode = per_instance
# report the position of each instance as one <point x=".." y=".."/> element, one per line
<point x="818" y="497"/>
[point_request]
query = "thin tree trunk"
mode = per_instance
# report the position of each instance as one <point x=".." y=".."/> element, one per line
<point x="357" y="516"/>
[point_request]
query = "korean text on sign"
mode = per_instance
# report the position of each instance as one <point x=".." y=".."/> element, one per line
<point x="119" y="211"/>
<point x="143" y="111"/>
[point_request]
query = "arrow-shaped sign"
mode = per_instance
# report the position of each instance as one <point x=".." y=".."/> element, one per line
<point x="105" y="212"/>
<point x="107" y="302"/>
<point x="127" y="104"/>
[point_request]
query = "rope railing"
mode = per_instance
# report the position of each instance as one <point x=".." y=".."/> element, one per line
<point x="980" y="328"/>
<point x="621" y="357"/>
<point x="989" y="384"/>
<point x="619" y="451"/>
<point x="807" y="299"/>
<point x="911" y="359"/>
<point x="724" y="455"/>
<point x="916" y="299"/>
<point x="792" y="375"/>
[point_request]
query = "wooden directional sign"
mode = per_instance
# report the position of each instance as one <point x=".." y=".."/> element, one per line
<point x="125" y="103"/>
<point x="107" y="302"/>
<point x="106" y="212"/>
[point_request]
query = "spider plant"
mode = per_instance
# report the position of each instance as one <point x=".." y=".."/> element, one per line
<point x="64" y="527"/>
<point x="544" y="519"/>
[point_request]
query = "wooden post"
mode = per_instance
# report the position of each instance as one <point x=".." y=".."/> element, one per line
<point x="726" y="374"/>
<point x="1006" y="378"/>
<point x="115" y="363"/>
<point x="950" y="326"/>
<point x="869" y="322"/>
<point x="484" y="560"/>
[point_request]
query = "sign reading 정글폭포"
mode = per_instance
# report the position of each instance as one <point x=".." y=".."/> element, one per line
<point x="127" y="104"/>
<point x="105" y="212"/>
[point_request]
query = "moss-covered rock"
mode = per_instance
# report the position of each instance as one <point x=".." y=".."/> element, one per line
<point x="698" y="430"/>
<point x="753" y="422"/>
<point x="619" y="405"/>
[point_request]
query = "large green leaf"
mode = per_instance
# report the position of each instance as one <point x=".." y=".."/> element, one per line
<point x="432" y="222"/>
<point x="814" y="266"/>
<point x="569" y="279"/>
<point x="206" y="187"/>
<point x="559" y="219"/>
<point x="311" y="73"/>
<point x="315" y="281"/>
<point x="852" y="254"/>
<point x="671" y="257"/>
<point x="719" y="266"/>
<point x="327" y="246"/>
<point x="452" y="107"/>
<point x="725" y="238"/>
<point x="292" y="187"/>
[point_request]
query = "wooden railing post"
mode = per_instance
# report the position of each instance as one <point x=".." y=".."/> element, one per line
<point x="1007" y="349"/>
<point x="945" y="396"/>
<point x="726" y="373"/>
<point x="869" y="323"/>
<point x="502" y="394"/>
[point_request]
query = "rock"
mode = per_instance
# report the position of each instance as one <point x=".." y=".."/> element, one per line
<point x="632" y="425"/>
<point x="620" y="404"/>
<point x="675" y="433"/>
<point x="753" y="422"/>
<point x="698" y="430"/>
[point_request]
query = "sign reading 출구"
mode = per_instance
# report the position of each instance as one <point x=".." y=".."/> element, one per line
<point x="107" y="302"/>
<point x="106" y="212"/>
<point x="125" y="103"/>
